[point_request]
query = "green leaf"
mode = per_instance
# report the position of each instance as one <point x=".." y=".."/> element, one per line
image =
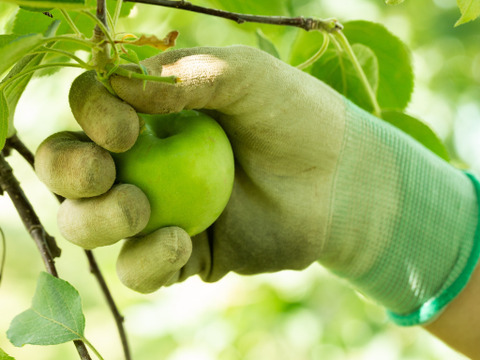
<point x="418" y="130"/>
<point x="142" y="52"/>
<point x="14" y="47"/>
<point x="28" y="8"/>
<point x="49" y="4"/>
<point x="55" y="316"/>
<point x="336" y="70"/>
<point x="470" y="10"/>
<point x="265" y="44"/>
<point x="14" y="90"/>
<point x="4" y="119"/>
<point x="395" y="83"/>
<point x="394" y="2"/>
<point x="5" y="356"/>
<point x="252" y="6"/>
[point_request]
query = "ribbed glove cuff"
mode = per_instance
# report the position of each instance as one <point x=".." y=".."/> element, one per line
<point x="403" y="222"/>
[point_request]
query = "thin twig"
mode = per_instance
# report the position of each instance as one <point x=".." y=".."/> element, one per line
<point x="11" y="186"/>
<point x="16" y="143"/>
<point x="119" y="319"/>
<point x="308" y="24"/>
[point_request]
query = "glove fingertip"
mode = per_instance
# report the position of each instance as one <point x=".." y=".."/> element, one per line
<point x="74" y="167"/>
<point x="107" y="120"/>
<point x="121" y="212"/>
<point x="148" y="263"/>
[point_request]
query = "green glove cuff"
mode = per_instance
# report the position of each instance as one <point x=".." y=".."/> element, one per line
<point x="433" y="307"/>
<point x="403" y="228"/>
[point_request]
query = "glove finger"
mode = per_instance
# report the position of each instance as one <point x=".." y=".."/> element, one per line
<point x="121" y="212"/>
<point x="107" y="120"/>
<point x="199" y="263"/>
<point x="146" y="264"/>
<point x="211" y="78"/>
<point x="74" y="167"/>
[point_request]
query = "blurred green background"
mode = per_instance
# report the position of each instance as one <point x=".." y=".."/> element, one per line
<point x="288" y="315"/>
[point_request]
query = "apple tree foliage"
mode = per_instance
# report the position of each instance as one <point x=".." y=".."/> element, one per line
<point x="364" y="61"/>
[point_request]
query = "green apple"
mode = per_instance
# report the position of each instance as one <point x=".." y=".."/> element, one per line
<point x="184" y="164"/>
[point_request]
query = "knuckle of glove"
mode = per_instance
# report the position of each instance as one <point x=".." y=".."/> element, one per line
<point x="121" y="212"/>
<point x="74" y="167"/>
<point x="148" y="263"/>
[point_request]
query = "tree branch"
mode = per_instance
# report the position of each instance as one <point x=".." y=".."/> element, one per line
<point x="308" y="24"/>
<point x="11" y="186"/>
<point x="17" y="144"/>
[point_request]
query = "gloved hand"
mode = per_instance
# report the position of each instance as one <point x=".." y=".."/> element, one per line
<point x="317" y="179"/>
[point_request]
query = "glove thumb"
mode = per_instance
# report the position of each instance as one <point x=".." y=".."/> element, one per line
<point x="209" y="78"/>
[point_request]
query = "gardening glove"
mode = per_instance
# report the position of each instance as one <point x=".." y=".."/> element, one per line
<point x="317" y="179"/>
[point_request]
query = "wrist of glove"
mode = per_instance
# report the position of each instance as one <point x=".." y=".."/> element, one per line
<point x="316" y="179"/>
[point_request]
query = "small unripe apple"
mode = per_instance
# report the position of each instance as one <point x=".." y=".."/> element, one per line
<point x="184" y="163"/>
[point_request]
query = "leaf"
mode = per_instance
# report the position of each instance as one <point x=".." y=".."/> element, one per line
<point x="163" y="44"/>
<point x="55" y="316"/>
<point x="4" y="119"/>
<point x="5" y="356"/>
<point x="64" y="4"/>
<point x="130" y="56"/>
<point x="14" y="90"/>
<point x="395" y="83"/>
<point x="394" y="2"/>
<point x="253" y="6"/>
<point x="35" y="9"/>
<point x="337" y="71"/>
<point x="26" y="22"/>
<point x="266" y="45"/>
<point x="470" y="10"/>
<point x="142" y="52"/>
<point x="418" y="130"/>
<point x="14" y="47"/>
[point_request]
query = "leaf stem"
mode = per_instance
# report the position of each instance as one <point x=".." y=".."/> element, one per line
<point x="95" y="351"/>
<point x="116" y="14"/>
<point x="71" y="38"/>
<point x="130" y="74"/>
<point x="70" y="22"/>
<point x="318" y="54"/>
<point x="343" y="41"/>
<point x="63" y="52"/>
<point x="39" y="67"/>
